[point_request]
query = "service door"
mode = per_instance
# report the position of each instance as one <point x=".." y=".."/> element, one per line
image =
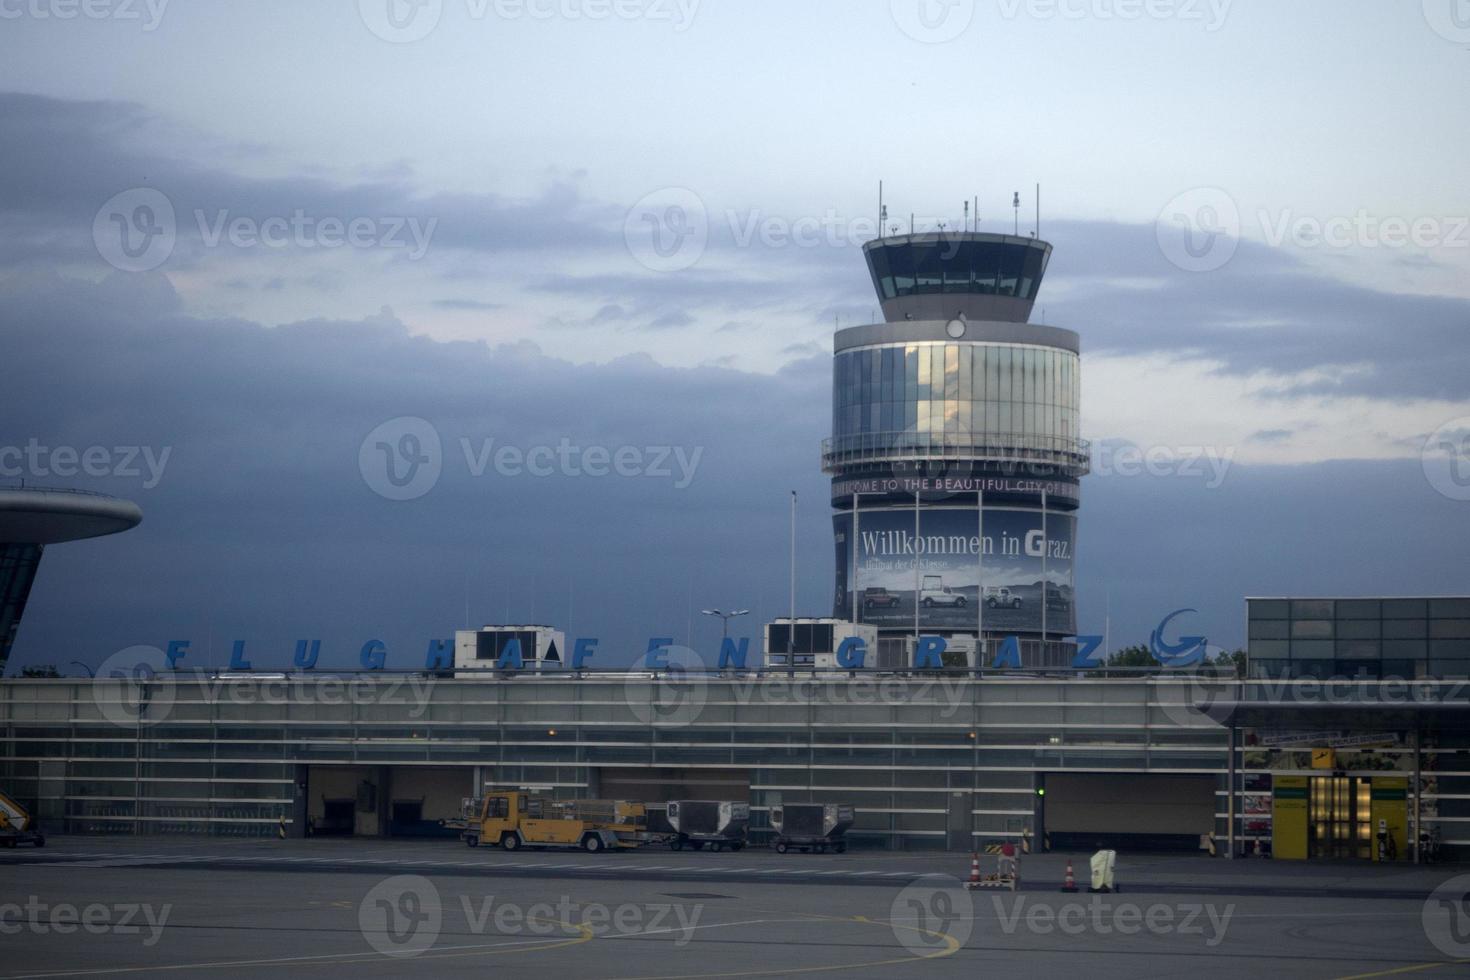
<point x="959" y="823"/>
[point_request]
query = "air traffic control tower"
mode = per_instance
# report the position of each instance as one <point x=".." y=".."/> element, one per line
<point x="955" y="456"/>
<point x="32" y="518"/>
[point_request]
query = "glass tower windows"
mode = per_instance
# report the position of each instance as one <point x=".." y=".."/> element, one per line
<point x="965" y="393"/>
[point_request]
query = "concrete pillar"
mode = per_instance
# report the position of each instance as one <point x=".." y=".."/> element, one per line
<point x="384" y="778"/>
<point x="1416" y="813"/>
<point x="299" y="799"/>
<point x="1038" y="810"/>
<point x="1230" y="795"/>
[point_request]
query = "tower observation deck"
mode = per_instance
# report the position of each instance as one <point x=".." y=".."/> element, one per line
<point x="32" y="518"/>
<point x="955" y="456"/>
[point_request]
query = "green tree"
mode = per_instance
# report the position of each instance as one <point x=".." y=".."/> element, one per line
<point x="40" y="670"/>
<point x="1137" y="655"/>
<point x="1234" y="659"/>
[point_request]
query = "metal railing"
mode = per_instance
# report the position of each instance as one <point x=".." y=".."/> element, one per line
<point x="1073" y="455"/>
<point x="37" y="488"/>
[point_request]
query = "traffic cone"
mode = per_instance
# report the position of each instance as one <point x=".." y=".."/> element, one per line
<point x="1069" y="883"/>
<point x="974" y="868"/>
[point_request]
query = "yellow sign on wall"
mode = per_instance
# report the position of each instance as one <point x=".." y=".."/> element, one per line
<point x="1289" y="818"/>
<point x="1324" y="758"/>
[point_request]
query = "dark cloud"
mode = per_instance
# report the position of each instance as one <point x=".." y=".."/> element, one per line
<point x="1149" y="545"/>
<point x="263" y="526"/>
<point x="670" y="320"/>
<point x="65" y="159"/>
<point x="696" y="285"/>
<point x="466" y="304"/>
<point x="804" y="349"/>
<point x="1262" y="312"/>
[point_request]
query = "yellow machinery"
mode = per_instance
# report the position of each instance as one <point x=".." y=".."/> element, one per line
<point x="515" y="819"/>
<point x="17" y="826"/>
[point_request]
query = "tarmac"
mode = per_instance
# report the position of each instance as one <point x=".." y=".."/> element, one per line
<point x="121" y="906"/>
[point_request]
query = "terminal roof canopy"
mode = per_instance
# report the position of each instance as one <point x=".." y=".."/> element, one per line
<point x="1357" y="714"/>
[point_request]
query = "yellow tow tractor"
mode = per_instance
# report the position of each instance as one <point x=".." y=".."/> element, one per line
<point x="514" y="819"/>
<point x="17" y="826"/>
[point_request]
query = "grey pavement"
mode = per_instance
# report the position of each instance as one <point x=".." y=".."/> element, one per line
<point x="113" y="906"/>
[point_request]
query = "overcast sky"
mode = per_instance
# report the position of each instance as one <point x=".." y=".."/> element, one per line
<point x="255" y="241"/>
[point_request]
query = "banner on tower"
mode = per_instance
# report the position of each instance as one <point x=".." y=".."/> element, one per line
<point x="1013" y="569"/>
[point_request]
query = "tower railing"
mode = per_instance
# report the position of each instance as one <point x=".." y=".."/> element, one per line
<point x="1073" y="456"/>
<point x="39" y="488"/>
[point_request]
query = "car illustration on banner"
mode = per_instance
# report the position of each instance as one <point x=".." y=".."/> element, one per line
<point x="878" y="597"/>
<point x="1001" y="596"/>
<point x="934" y="593"/>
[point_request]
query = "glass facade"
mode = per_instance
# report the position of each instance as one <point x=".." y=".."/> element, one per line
<point x="1376" y="638"/>
<point x="957" y="395"/>
<point x="942" y="265"/>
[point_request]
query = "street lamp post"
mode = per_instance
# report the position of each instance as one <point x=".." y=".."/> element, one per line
<point x="725" y="618"/>
<point x="791" y="625"/>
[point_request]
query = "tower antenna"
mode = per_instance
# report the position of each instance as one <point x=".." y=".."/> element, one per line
<point x="1016" y="205"/>
<point x="966" y="225"/>
<point x="882" y="211"/>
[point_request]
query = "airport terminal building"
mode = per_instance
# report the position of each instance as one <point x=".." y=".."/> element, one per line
<point x="930" y="762"/>
<point x="948" y="759"/>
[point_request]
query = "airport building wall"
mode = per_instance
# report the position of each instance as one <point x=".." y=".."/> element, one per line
<point x="930" y="762"/>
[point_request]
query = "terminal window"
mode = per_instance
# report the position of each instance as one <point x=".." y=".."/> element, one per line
<point x="1398" y="637"/>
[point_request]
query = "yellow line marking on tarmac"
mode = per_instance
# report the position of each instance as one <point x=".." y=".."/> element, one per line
<point x="951" y="946"/>
<point x="691" y="928"/>
<point x="1405" y="969"/>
